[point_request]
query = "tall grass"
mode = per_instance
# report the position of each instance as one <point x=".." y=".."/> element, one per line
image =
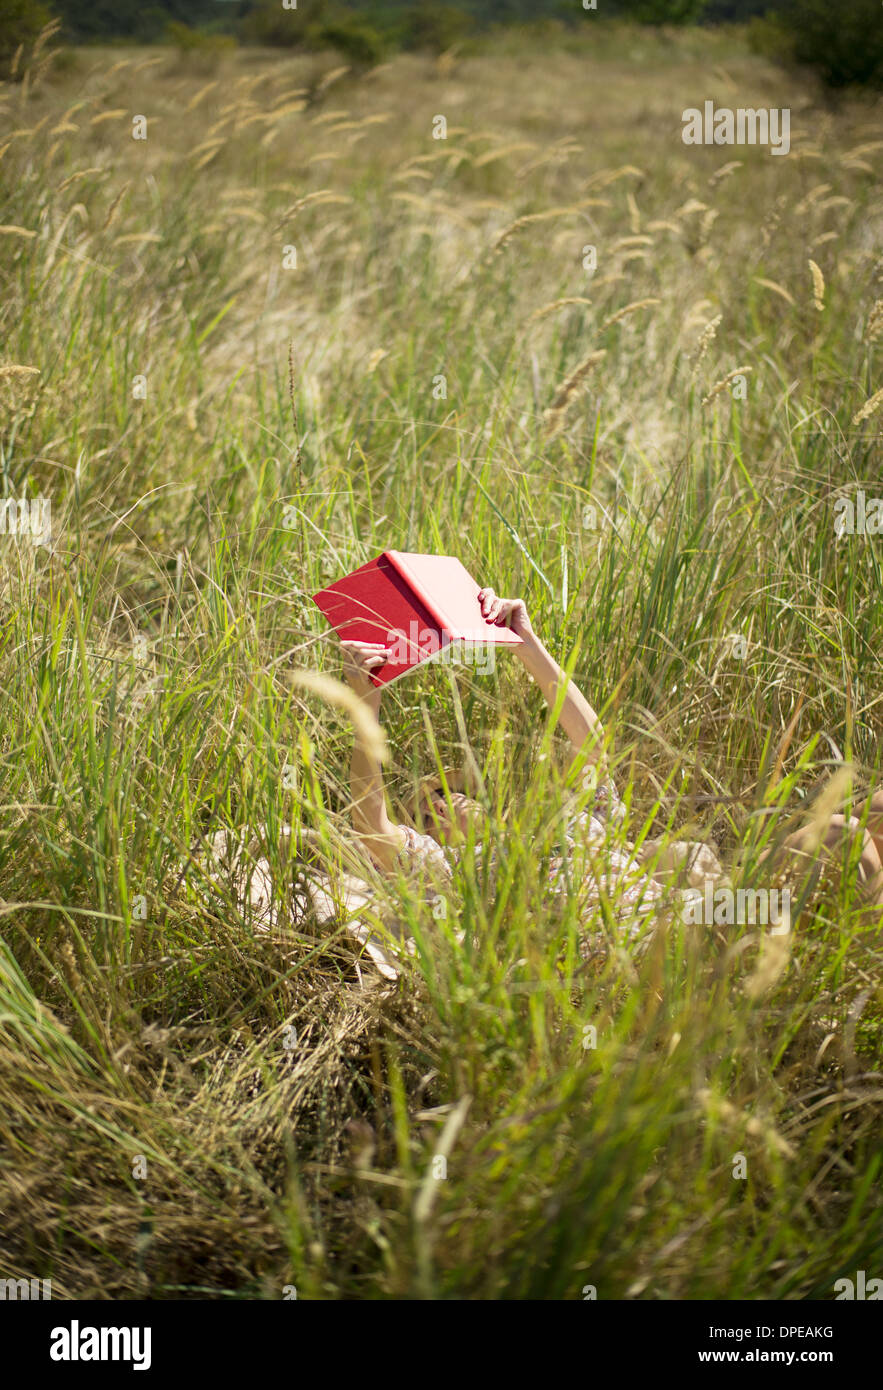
<point x="675" y="543"/>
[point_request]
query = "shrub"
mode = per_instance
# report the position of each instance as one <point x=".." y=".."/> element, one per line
<point x="662" y="11"/>
<point x="842" y="43"/>
<point x="768" y="36"/>
<point x="268" y="23"/>
<point x="436" y="27"/>
<point x="356" y="41"/>
<point x="189" y="40"/>
<point x="20" y="23"/>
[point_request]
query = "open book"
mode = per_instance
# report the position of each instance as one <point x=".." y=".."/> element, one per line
<point x="419" y="607"/>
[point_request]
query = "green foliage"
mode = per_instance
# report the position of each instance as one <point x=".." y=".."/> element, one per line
<point x="268" y="23"/>
<point x="196" y="41"/>
<point x="20" y="23"/>
<point x="435" y="27"/>
<point x="842" y="43"/>
<point x="356" y="41"/>
<point x="359" y="24"/>
<point x="94" y="20"/>
<point x="660" y="11"/>
<point x="767" y="35"/>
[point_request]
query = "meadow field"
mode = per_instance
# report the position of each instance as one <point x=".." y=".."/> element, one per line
<point x="263" y="317"/>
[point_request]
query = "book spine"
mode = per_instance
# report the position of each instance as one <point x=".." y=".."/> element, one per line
<point x="435" y="609"/>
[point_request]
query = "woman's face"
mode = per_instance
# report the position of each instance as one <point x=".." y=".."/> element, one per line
<point x="437" y="817"/>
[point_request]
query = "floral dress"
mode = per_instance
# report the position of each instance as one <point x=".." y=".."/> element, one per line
<point x="585" y="861"/>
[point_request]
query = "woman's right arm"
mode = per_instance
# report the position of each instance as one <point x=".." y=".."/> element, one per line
<point x="380" y="836"/>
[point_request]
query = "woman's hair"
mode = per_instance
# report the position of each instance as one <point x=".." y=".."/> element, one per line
<point x="414" y="800"/>
<point x="412" y="803"/>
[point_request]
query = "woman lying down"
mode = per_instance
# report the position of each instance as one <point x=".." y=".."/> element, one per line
<point x="634" y="885"/>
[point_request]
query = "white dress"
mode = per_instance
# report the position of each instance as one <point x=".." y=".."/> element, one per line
<point x="587" y="862"/>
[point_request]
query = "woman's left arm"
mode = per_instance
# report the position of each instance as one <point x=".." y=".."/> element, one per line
<point x="578" y="720"/>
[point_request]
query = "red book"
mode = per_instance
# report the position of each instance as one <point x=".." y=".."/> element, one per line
<point x="418" y="606"/>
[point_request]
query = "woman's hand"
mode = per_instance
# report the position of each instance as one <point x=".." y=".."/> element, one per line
<point x="359" y="659"/>
<point x="506" y="612"/>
